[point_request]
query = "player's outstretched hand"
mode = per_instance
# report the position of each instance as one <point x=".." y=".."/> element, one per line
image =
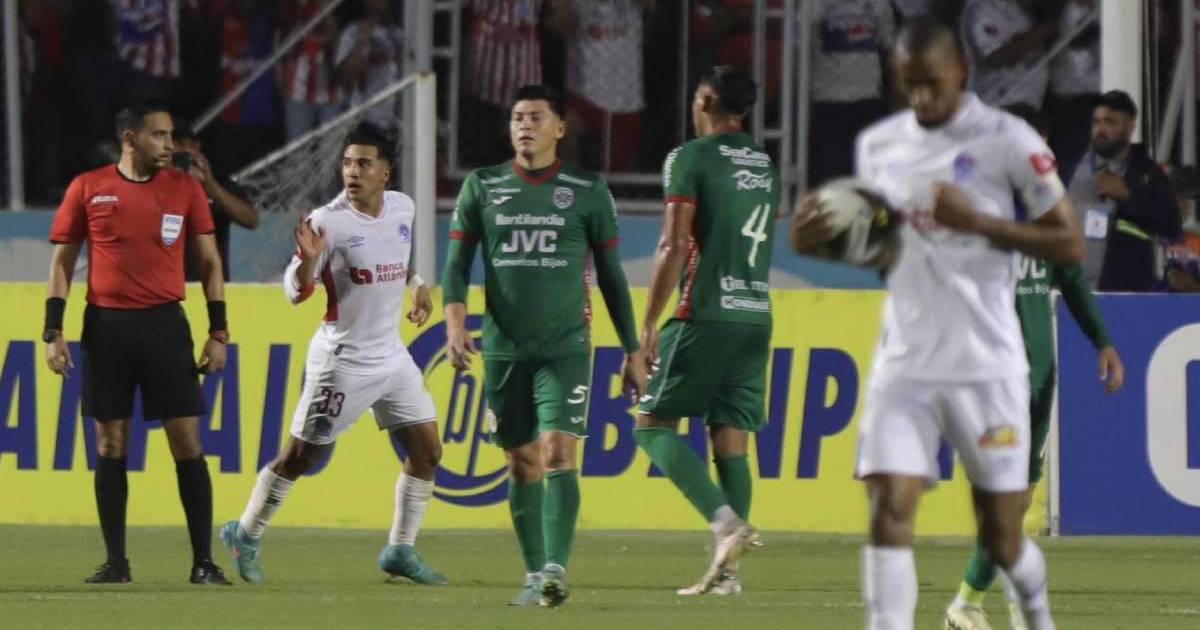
<point x="1112" y="370"/>
<point x="422" y="306"/>
<point x="310" y="242"/>
<point x="634" y="375"/>
<point x="810" y="229"/>
<point x="952" y="209"/>
<point x="58" y="357"/>
<point x="460" y="347"/>
<point x="212" y="358"/>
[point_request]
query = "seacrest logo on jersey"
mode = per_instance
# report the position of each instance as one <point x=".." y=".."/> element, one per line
<point x="745" y="156"/>
<point x="752" y="181"/>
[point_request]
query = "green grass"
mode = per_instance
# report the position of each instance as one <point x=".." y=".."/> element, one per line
<point x="325" y="578"/>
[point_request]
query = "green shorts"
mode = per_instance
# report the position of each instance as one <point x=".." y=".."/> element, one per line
<point x="1041" y="399"/>
<point x="717" y="370"/>
<point x="529" y="397"/>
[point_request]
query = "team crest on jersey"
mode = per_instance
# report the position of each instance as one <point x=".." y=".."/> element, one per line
<point x="405" y="233"/>
<point x="964" y="167"/>
<point x="172" y="227"/>
<point x="563" y="197"/>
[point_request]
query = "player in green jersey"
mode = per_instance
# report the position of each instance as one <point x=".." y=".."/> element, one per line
<point x="1037" y="279"/>
<point x="710" y="359"/>
<point x="538" y="221"/>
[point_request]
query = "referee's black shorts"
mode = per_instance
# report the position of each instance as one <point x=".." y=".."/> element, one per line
<point x="150" y="348"/>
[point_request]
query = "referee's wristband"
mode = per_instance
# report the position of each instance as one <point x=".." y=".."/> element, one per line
<point x="216" y="316"/>
<point x="55" y="307"/>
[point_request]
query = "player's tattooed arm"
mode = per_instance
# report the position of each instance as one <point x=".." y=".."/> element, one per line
<point x="1055" y="236"/>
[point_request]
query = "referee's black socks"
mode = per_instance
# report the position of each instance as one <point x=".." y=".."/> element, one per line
<point x="195" y="492"/>
<point x="112" y="493"/>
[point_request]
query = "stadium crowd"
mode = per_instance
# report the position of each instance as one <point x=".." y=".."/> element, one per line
<point x="618" y="62"/>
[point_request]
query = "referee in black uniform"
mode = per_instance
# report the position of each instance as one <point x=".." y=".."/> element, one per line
<point x="136" y="216"/>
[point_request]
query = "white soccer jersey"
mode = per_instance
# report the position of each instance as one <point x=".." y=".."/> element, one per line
<point x="364" y="270"/>
<point x="985" y="26"/>
<point x="604" y="56"/>
<point x="950" y="314"/>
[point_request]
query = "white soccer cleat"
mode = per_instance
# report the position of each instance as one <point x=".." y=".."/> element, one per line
<point x="730" y="547"/>
<point x="966" y="618"/>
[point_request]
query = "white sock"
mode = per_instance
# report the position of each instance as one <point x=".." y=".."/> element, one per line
<point x="269" y="493"/>
<point x="723" y="519"/>
<point x="412" y="498"/>
<point x="1028" y="576"/>
<point x="889" y="587"/>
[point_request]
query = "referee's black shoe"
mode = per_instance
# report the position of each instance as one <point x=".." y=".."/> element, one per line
<point x="206" y="572"/>
<point x="112" y="572"/>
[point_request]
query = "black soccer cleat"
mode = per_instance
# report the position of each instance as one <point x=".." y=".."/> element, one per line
<point x="208" y="573"/>
<point x="112" y="572"/>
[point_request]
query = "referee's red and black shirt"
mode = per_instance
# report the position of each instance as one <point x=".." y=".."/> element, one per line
<point x="135" y="231"/>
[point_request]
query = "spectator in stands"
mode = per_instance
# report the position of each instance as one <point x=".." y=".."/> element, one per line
<point x="604" y="80"/>
<point x="1074" y="85"/>
<point x="370" y="57"/>
<point x="850" y="40"/>
<point x="1124" y="200"/>
<point x="250" y="125"/>
<point x="311" y="95"/>
<point x="148" y="43"/>
<point x="502" y="53"/>
<point x="228" y="203"/>
<point x="1003" y="42"/>
<point x="90" y="42"/>
<point x="1182" y="273"/>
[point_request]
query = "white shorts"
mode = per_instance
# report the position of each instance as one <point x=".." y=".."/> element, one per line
<point x="334" y="399"/>
<point x="986" y="423"/>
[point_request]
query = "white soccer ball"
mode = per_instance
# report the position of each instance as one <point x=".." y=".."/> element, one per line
<point x="863" y="224"/>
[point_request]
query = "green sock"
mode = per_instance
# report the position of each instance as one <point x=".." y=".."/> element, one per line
<point x="734" y="473"/>
<point x="525" y="504"/>
<point x="683" y="467"/>
<point x="560" y="514"/>
<point x="980" y="574"/>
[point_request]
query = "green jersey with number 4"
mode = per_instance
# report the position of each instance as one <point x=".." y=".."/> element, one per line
<point x="736" y="190"/>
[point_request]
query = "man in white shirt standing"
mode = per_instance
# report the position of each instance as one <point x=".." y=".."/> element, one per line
<point x="359" y="245"/>
<point x="951" y="362"/>
<point x="1003" y="42"/>
<point x="368" y="59"/>
<point x="850" y="39"/>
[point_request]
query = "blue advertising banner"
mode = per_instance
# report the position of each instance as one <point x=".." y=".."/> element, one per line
<point x="1130" y="462"/>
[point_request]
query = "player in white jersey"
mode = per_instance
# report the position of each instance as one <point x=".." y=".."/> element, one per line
<point x="950" y="363"/>
<point x="359" y="246"/>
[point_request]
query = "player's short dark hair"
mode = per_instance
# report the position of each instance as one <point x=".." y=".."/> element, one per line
<point x="539" y="92"/>
<point x="925" y="34"/>
<point x="371" y="135"/>
<point x="1032" y="115"/>
<point x="131" y="116"/>
<point x="736" y="91"/>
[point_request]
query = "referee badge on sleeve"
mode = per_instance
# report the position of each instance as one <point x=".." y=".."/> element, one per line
<point x="172" y="225"/>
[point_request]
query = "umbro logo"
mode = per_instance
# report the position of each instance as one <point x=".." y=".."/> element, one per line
<point x="356" y="241"/>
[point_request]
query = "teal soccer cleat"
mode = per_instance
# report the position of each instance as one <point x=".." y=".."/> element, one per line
<point x="244" y="550"/>
<point x="404" y="561"/>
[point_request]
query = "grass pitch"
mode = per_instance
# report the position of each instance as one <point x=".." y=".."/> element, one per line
<point x="326" y="578"/>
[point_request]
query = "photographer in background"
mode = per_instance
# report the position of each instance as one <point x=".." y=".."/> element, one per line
<point x="228" y="204"/>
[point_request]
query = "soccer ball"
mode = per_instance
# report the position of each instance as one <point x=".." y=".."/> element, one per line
<point x="863" y="224"/>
